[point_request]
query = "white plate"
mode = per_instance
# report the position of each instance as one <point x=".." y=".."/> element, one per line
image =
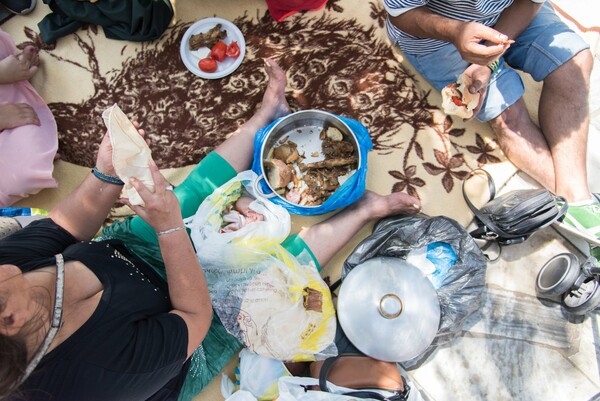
<point x="192" y="57"/>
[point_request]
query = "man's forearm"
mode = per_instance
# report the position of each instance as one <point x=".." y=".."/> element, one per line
<point x="425" y="24"/>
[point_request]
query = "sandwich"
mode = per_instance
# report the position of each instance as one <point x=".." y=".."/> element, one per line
<point x="457" y="100"/>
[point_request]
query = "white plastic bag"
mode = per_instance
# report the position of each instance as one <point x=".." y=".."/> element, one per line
<point x="257" y="375"/>
<point x="241" y="396"/>
<point x="294" y="389"/>
<point x="276" y="304"/>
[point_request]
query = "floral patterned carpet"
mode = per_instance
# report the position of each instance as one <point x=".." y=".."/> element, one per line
<point x="424" y="152"/>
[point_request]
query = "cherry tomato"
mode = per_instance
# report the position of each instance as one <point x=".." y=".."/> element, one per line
<point x="218" y="51"/>
<point x="207" y="65"/>
<point x="233" y="50"/>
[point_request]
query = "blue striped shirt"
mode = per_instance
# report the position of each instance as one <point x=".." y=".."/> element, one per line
<point x="485" y="12"/>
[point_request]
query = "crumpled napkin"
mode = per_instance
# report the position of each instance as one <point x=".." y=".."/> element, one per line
<point x="130" y="152"/>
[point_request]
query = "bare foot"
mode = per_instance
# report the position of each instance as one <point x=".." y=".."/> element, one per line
<point x="274" y="104"/>
<point x="378" y="206"/>
<point x="20" y="66"/>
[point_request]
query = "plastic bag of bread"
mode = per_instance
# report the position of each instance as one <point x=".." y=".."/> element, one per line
<point x="130" y="152"/>
<point x="457" y="100"/>
<point x="275" y="303"/>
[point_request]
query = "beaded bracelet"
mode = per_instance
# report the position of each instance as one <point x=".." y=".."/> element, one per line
<point x="170" y="230"/>
<point x="494" y="65"/>
<point x="106" y="178"/>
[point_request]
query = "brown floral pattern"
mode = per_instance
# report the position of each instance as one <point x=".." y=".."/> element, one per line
<point x="332" y="63"/>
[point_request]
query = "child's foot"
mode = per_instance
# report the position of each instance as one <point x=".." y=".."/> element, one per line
<point x="19" y="67"/>
<point x="274" y="104"/>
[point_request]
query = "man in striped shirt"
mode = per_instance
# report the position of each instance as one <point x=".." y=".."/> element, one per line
<point x="446" y="38"/>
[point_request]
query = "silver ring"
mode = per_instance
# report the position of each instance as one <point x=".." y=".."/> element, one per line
<point x="169" y="187"/>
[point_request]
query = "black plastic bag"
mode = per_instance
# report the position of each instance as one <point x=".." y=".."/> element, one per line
<point x="460" y="293"/>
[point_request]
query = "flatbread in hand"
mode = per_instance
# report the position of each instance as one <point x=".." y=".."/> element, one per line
<point x="130" y="152"/>
<point x="457" y="100"/>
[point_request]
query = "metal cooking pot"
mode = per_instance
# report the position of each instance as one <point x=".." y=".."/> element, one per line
<point x="388" y="309"/>
<point x="303" y="128"/>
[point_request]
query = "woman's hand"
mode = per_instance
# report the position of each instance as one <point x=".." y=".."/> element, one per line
<point x="480" y="78"/>
<point x="104" y="157"/>
<point x="161" y="210"/>
<point x="16" y="115"/>
<point x="480" y="44"/>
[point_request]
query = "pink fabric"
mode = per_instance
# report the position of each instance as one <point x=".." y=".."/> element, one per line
<point x="281" y="9"/>
<point x="26" y="152"/>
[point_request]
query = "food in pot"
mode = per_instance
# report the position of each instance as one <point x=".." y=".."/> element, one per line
<point x="288" y="152"/>
<point x="278" y="173"/>
<point x="311" y="183"/>
<point x="207" y="39"/>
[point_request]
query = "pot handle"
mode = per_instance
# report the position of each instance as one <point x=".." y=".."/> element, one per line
<point x="257" y="189"/>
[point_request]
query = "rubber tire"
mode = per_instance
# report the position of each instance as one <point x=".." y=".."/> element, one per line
<point x="548" y="284"/>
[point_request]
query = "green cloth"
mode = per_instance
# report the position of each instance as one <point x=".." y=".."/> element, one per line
<point x="218" y="346"/>
<point x="135" y="20"/>
<point x="295" y="245"/>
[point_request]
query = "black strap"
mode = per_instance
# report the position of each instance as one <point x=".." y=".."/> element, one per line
<point x="489" y="230"/>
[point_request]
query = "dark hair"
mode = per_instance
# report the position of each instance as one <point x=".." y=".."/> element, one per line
<point x="13" y="362"/>
<point x="13" y="353"/>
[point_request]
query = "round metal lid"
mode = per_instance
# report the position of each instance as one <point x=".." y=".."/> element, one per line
<point x="388" y="309"/>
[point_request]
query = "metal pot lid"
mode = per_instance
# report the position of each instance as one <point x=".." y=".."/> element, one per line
<point x="388" y="309"/>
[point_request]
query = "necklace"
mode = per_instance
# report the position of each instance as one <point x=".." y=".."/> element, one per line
<point x="56" y="317"/>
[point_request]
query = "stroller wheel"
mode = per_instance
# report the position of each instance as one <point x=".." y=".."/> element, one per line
<point x="584" y="299"/>
<point x="558" y="275"/>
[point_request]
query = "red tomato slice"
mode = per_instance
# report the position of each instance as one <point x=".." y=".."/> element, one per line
<point x="218" y="51"/>
<point x="233" y="50"/>
<point x="207" y="65"/>
<point x="457" y="101"/>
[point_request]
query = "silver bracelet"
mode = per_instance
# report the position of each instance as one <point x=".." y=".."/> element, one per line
<point x="170" y="230"/>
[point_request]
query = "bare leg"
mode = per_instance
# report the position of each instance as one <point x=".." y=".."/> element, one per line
<point x="325" y="239"/>
<point x="564" y="119"/>
<point x="524" y="144"/>
<point x="238" y="148"/>
<point x="554" y="155"/>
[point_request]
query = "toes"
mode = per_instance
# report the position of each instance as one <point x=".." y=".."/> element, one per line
<point x="30" y="55"/>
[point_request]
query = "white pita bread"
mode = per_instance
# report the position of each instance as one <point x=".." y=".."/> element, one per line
<point x="130" y="153"/>
<point x="460" y="89"/>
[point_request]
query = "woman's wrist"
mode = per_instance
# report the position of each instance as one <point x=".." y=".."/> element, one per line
<point x="106" y="177"/>
<point x="170" y="230"/>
